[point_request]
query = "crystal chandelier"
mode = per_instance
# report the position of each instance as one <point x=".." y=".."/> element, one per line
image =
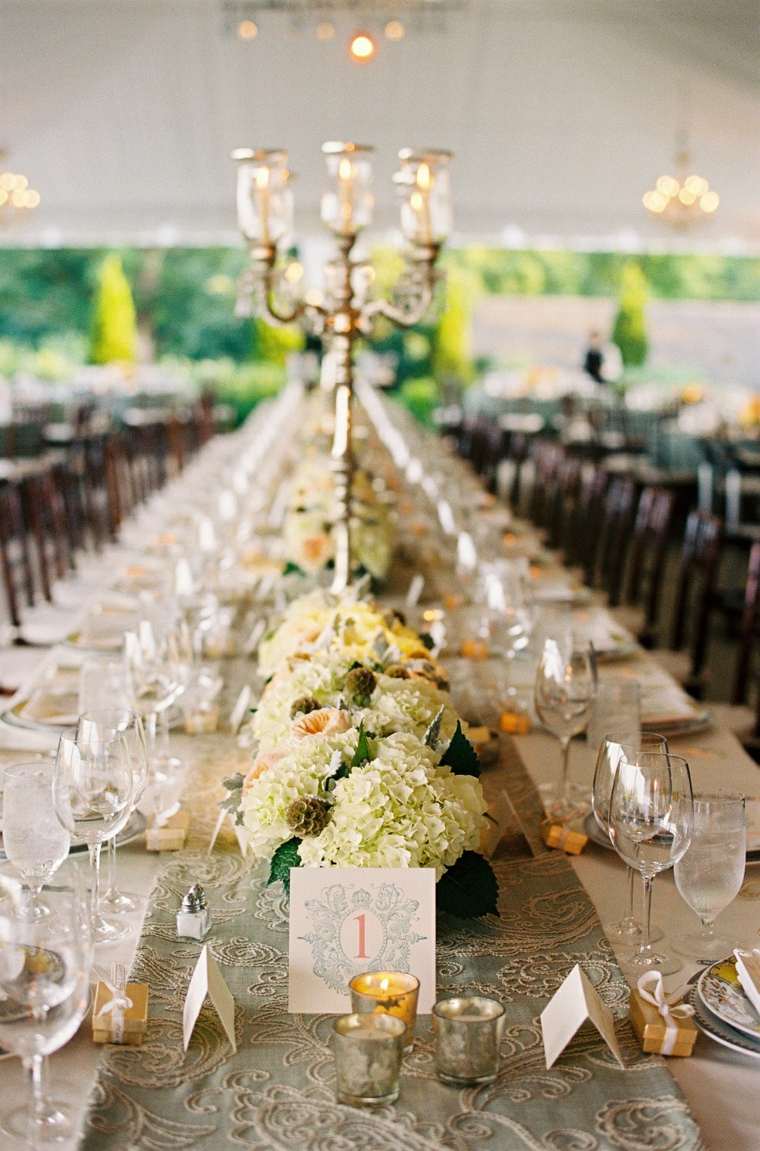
<point x="389" y="19"/>
<point x="683" y="199"/>
<point x="16" y="196"/>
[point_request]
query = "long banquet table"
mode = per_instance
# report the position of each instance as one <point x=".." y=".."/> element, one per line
<point x="278" y="1091"/>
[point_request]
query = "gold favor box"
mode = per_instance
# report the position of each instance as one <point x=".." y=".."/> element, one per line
<point x="649" y="1027"/>
<point x="169" y="836"/>
<point x="562" y="837"/>
<point x="135" y="1018"/>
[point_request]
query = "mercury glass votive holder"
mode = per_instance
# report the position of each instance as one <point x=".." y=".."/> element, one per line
<point x="467" y="1038"/>
<point x="368" y="1053"/>
<point x="389" y="993"/>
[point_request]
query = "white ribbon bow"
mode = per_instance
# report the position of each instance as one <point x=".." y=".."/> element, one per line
<point x="650" y="988"/>
<point x="116" y="1006"/>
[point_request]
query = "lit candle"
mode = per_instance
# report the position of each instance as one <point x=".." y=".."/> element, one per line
<point x="390" y="993"/>
<point x="346" y="195"/>
<point x="261" y="180"/>
<point x="420" y="201"/>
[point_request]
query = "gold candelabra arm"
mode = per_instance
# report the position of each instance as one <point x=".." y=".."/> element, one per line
<point x="421" y="278"/>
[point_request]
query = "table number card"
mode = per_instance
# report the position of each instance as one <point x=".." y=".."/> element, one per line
<point x="346" y="920"/>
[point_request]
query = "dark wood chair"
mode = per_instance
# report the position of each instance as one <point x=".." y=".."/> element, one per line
<point x="648" y="556"/>
<point x="563" y="499"/>
<point x="615" y="532"/>
<point x="749" y="638"/>
<point x="15" y="559"/>
<point x="583" y="542"/>
<point x="697" y="593"/>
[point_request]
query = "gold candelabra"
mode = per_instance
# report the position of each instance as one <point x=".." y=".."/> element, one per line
<point x="346" y="308"/>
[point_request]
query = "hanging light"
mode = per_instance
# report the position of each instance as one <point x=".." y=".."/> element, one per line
<point x="16" y="196"/>
<point x="362" y="47"/>
<point x="683" y="199"/>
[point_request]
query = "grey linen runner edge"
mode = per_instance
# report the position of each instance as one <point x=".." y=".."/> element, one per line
<point x="278" y="1091"/>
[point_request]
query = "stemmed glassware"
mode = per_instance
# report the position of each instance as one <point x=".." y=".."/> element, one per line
<point x="105" y="686"/>
<point x="563" y="694"/>
<point x="44" y="986"/>
<point x="710" y="874"/>
<point x="651" y="818"/>
<point x="34" y="840"/>
<point x="104" y="725"/>
<point x="613" y="749"/>
<point x="93" y="789"/>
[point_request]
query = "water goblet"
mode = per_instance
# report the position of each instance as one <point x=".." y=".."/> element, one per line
<point x="104" y="725"/>
<point x="93" y="786"/>
<point x="563" y="694"/>
<point x="651" y="818"/>
<point x="44" y="986"/>
<point x="710" y="874"/>
<point x="613" y="748"/>
<point x="34" y="840"/>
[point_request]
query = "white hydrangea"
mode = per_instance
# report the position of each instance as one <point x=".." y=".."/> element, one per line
<point x="300" y="769"/>
<point x="320" y="677"/>
<point x="400" y="810"/>
<point x="408" y="705"/>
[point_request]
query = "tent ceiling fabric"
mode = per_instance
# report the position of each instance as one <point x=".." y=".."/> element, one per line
<point x="123" y="113"/>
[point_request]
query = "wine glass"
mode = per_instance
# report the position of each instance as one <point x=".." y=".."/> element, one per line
<point x="93" y="786"/>
<point x="102" y="726"/>
<point x="710" y="874"/>
<point x="613" y="749"/>
<point x="44" y="988"/>
<point x="563" y="694"/>
<point x="34" y="841"/>
<point x="651" y="818"/>
<point x="511" y="618"/>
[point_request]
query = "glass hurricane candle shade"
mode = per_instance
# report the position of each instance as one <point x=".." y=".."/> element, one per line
<point x="467" y="1038"/>
<point x="388" y="992"/>
<point x="423" y="181"/>
<point x="347" y="205"/>
<point x="264" y="195"/>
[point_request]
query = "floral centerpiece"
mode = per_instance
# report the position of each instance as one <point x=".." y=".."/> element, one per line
<point x="308" y="535"/>
<point x="360" y="759"/>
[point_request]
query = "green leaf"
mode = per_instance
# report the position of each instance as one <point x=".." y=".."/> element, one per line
<point x="434" y="730"/>
<point x="469" y="888"/>
<point x="234" y="786"/>
<point x="363" y="752"/>
<point x="285" y="857"/>
<point x="292" y="569"/>
<point x="460" y="755"/>
<point x="427" y="640"/>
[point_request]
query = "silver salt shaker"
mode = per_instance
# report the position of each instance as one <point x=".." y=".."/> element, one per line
<point x="193" y="919"/>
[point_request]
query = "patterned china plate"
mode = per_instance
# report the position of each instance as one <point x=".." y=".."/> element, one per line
<point x="592" y="829"/>
<point x="721" y="992"/>
<point x="719" y="1031"/>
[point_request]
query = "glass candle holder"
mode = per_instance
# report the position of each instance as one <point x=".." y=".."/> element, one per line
<point x="388" y="993"/>
<point x="467" y="1037"/>
<point x="368" y="1052"/>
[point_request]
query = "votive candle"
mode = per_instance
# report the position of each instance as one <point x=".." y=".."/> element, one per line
<point x="388" y="992"/>
<point x="468" y="1033"/>
<point x="368" y="1053"/>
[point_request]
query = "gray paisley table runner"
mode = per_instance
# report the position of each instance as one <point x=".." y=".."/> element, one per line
<point x="278" y="1091"/>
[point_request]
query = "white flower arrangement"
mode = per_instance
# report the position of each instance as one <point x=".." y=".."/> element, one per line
<point x="361" y="761"/>
<point x="307" y="529"/>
